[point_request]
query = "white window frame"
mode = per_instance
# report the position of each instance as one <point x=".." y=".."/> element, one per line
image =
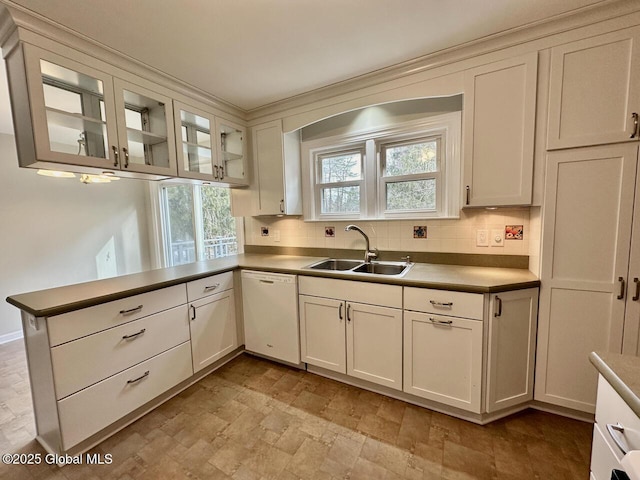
<point x="319" y="186"/>
<point x="446" y="127"/>
<point x="158" y="238"/>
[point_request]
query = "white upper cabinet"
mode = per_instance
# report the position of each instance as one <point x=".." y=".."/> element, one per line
<point x="232" y="152"/>
<point x="276" y="166"/>
<point x="499" y="126"/>
<point x="196" y="151"/>
<point x="594" y="95"/>
<point x="85" y="117"/>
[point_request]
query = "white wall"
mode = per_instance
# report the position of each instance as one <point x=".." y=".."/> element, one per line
<point x="53" y="229"/>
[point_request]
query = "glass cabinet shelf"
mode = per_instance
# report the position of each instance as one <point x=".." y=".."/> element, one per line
<point x="147" y="138"/>
<point x="75" y="121"/>
<point x="198" y="150"/>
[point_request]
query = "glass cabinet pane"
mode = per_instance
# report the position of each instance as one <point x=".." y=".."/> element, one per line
<point x="196" y="143"/>
<point x="232" y="151"/>
<point x="74" y="105"/>
<point x="146" y="126"/>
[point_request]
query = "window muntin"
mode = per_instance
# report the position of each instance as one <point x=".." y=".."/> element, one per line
<point x="339" y="176"/>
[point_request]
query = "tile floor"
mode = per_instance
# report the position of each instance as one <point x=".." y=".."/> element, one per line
<point x="253" y="419"/>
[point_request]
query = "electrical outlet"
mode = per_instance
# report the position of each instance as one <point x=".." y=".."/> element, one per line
<point x="482" y="238"/>
<point x="497" y="238"/>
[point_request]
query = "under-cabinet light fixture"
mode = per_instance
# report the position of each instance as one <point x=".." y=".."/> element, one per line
<point x="56" y="173"/>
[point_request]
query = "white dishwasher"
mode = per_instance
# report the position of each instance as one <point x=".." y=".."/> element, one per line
<point x="270" y="308"/>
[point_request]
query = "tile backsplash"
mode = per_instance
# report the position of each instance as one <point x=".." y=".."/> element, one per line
<point x="450" y="236"/>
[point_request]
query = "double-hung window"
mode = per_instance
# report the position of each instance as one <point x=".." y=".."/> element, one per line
<point x="411" y="179"/>
<point x="338" y="190"/>
<point x="407" y="170"/>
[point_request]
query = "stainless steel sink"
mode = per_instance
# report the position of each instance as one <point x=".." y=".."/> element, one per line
<point x="358" y="266"/>
<point x="383" y="268"/>
<point x="336" y="264"/>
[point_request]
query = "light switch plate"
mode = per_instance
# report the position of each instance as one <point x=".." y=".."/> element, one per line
<point x="276" y="235"/>
<point x="497" y="238"/>
<point x="482" y="238"/>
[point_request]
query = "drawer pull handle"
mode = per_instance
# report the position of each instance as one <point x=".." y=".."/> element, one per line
<point x="135" y="380"/>
<point x="270" y="282"/>
<point x="634" y="133"/>
<point x="134" y="335"/>
<point x="499" y="312"/>
<point x="131" y="310"/>
<point x="441" y="322"/>
<point x="636" y="297"/>
<point x="621" y="294"/>
<point x="211" y="287"/>
<point x="441" y="304"/>
<point x="617" y="431"/>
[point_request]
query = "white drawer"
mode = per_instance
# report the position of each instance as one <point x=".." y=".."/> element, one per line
<point x="603" y="459"/>
<point x="611" y="409"/>
<point x="86" y="361"/>
<point x="90" y="410"/>
<point x="361" y="292"/>
<point x="80" y="323"/>
<point x="209" y="285"/>
<point x="444" y="302"/>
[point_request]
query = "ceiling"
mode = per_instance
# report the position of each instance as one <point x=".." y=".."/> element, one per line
<point x="251" y="53"/>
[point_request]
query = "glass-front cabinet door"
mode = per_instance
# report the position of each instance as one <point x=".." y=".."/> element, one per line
<point x="195" y="147"/>
<point x="232" y="151"/>
<point x="145" y="130"/>
<point x="72" y="111"/>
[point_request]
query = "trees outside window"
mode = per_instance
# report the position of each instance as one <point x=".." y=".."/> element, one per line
<point x="197" y="223"/>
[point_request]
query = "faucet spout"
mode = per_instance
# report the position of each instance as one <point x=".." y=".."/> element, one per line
<point x="369" y="254"/>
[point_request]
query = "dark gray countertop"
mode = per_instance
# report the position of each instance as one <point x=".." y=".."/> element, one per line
<point x="55" y="301"/>
<point x="623" y="373"/>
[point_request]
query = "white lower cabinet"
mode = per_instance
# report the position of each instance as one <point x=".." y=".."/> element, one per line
<point x="92" y="409"/>
<point x="616" y="431"/>
<point x="358" y="339"/>
<point x="512" y="343"/>
<point x="213" y="328"/>
<point x="322" y="333"/>
<point x="443" y="359"/>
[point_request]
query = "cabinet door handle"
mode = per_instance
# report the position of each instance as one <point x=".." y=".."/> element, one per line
<point x="349" y="313"/>
<point x="468" y="194"/>
<point x="621" y="294"/>
<point x="209" y="288"/>
<point x="616" y="432"/>
<point x="441" y="304"/>
<point x="441" y="322"/>
<point x="340" y="312"/>
<point x="136" y="380"/>
<point x="131" y="310"/>
<point x="134" y="335"/>
<point x="636" y="297"/>
<point x="499" y="304"/>
<point x="282" y="206"/>
<point x="126" y="157"/>
<point x="193" y="312"/>
<point x="634" y="132"/>
<point x="216" y="170"/>
<point x="221" y="172"/>
<point x="116" y="155"/>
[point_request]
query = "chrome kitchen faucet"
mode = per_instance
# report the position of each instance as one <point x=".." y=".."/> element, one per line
<point x="369" y="254"/>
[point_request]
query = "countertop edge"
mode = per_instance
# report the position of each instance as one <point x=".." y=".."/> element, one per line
<point x="244" y="263"/>
<point x="616" y="382"/>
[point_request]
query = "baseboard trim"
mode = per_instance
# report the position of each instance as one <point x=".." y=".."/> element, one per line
<point x="11" y="336"/>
